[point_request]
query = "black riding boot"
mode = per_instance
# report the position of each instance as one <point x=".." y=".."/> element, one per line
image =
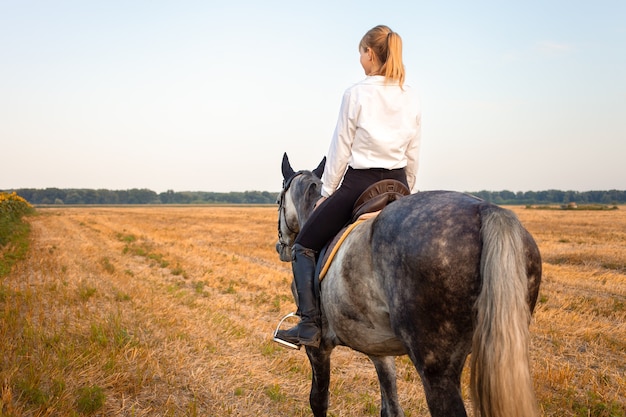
<point x="307" y="332"/>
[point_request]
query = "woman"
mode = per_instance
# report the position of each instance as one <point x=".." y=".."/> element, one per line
<point x="377" y="137"/>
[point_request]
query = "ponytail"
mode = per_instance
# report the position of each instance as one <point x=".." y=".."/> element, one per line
<point x="393" y="68"/>
<point x="387" y="46"/>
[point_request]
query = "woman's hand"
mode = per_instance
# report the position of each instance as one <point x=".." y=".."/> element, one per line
<point x="320" y="201"/>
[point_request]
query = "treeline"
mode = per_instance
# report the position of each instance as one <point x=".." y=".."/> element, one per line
<point x="59" y="196"/>
<point x="553" y="197"/>
<point x="144" y="196"/>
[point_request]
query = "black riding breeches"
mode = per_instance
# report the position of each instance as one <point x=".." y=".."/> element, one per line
<point x="334" y="213"/>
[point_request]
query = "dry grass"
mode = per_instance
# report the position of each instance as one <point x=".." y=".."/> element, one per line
<point x="579" y="331"/>
<point x="169" y="311"/>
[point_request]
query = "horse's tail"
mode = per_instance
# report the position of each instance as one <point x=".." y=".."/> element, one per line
<point x="501" y="384"/>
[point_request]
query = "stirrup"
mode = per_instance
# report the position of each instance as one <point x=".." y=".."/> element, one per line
<point x="281" y="341"/>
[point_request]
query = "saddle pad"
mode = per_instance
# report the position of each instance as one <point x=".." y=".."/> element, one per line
<point x="338" y="240"/>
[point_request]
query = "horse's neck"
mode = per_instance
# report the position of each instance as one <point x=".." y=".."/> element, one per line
<point x="303" y="210"/>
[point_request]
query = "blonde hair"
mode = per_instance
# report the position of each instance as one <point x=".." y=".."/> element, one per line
<point x="386" y="45"/>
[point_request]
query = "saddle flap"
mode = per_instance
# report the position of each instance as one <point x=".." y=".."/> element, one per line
<point x="369" y="203"/>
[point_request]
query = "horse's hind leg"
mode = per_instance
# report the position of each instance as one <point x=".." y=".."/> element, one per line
<point x="441" y="377"/>
<point x="444" y="396"/>
<point x="386" y="370"/>
<point x="320" y="366"/>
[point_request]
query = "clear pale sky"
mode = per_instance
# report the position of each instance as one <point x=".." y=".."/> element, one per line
<point x="207" y="95"/>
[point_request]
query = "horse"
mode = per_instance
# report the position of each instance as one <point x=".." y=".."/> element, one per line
<point x="436" y="275"/>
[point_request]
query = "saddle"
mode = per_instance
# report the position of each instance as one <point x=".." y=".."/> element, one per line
<point x="375" y="198"/>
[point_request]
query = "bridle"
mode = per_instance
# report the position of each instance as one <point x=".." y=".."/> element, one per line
<point x="282" y="211"/>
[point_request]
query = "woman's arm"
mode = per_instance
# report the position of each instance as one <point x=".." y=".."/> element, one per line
<point x="412" y="156"/>
<point x="340" y="146"/>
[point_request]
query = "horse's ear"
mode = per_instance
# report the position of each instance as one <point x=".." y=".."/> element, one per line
<point x="320" y="168"/>
<point x="288" y="172"/>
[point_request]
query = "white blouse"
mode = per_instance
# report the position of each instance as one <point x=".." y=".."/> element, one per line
<point x="379" y="126"/>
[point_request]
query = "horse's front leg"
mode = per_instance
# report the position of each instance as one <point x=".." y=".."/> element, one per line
<point x="386" y="370"/>
<point x="320" y="365"/>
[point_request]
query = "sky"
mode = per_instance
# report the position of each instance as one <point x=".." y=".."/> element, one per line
<point x="208" y="95"/>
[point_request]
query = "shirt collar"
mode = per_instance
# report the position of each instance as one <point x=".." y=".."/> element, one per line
<point x="377" y="80"/>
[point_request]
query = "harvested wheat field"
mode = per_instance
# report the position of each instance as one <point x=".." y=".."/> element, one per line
<point x="168" y="311"/>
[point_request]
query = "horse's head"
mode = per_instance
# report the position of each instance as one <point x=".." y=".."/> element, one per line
<point x="301" y="190"/>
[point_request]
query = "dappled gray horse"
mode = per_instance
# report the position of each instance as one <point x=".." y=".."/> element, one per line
<point x="436" y="275"/>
